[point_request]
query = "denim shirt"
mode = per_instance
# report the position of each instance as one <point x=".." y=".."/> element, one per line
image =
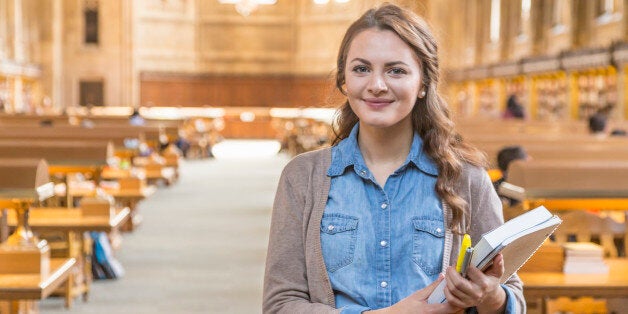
<point x="381" y="244"/>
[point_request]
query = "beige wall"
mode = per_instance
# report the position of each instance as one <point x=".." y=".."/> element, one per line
<point x="294" y="37"/>
<point x="45" y="38"/>
<point x="94" y="62"/>
<point x="42" y="40"/>
<point x="469" y="27"/>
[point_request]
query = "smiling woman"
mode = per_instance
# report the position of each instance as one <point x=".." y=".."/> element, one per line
<point x="370" y="224"/>
<point x="383" y="81"/>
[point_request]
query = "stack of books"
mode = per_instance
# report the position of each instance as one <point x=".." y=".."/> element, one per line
<point x="584" y="258"/>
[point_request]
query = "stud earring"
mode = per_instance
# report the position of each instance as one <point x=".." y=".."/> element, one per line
<point x="422" y="94"/>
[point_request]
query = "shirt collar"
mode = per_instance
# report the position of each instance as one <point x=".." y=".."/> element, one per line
<point x="347" y="153"/>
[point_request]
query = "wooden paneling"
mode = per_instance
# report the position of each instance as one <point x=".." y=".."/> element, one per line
<point x="166" y="89"/>
<point x="258" y="129"/>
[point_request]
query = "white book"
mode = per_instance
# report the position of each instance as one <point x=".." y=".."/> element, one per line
<point x="517" y="240"/>
<point x="585" y="268"/>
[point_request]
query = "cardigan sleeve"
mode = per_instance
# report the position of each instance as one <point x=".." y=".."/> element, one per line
<point x="286" y="288"/>
<point x="487" y="214"/>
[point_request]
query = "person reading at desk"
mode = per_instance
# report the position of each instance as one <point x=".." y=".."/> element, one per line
<point x="369" y="224"/>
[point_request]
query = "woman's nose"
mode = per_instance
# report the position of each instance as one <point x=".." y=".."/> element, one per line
<point x="377" y="85"/>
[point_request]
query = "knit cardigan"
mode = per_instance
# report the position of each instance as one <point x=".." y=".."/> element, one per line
<point x="296" y="279"/>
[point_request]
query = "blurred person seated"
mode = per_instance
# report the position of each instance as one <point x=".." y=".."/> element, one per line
<point x="514" y="109"/>
<point x="136" y="119"/>
<point x="619" y="132"/>
<point x="598" y="124"/>
<point x="182" y="145"/>
<point x="505" y="156"/>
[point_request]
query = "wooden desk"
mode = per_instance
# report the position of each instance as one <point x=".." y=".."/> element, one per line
<point x="22" y="290"/>
<point x="130" y="198"/>
<point x="543" y="285"/>
<point x="124" y="197"/>
<point x="73" y="224"/>
<point x="71" y="219"/>
<point x="35" y="286"/>
<point x="154" y="173"/>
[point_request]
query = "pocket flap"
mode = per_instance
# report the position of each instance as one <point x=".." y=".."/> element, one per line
<point x="333" y="224"/>
<point x="434" y="227"/>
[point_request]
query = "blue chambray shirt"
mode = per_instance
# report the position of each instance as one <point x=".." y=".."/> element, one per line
<point x="381" y="244"/>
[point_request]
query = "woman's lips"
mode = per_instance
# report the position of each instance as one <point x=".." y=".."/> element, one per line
<point x="377" y="103"/>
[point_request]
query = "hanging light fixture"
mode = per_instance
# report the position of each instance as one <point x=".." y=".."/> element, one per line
<point x="246" y="7"/>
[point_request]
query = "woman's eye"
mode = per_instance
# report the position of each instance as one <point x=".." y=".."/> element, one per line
<point x="397" y="71"/>
<point x="360" y="69"/>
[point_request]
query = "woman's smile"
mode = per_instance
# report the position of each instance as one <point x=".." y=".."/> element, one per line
<point x="377" y="103"/>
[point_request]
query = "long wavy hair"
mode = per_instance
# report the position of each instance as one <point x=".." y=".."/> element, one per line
<point x="430" y="115"/>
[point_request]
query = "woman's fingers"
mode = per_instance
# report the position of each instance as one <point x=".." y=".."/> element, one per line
<point x="460" y="291"/>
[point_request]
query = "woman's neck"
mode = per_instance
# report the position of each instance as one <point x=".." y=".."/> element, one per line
<point x="385" y="150"/>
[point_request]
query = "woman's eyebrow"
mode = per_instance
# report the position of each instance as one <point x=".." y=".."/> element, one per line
<point x="387" y="64"/>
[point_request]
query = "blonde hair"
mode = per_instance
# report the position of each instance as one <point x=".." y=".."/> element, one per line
<point x="430" y="115"/>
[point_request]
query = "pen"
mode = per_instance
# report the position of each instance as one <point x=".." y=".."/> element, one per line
<point x="466" y="261"/>
<point x="466" y="243"/>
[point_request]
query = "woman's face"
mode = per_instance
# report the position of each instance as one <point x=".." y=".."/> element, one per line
<point x="382" y="78"/>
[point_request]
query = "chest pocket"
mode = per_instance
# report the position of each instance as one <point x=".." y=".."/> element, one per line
<point x="338" y="237"/>
<point x="428" y="244"/>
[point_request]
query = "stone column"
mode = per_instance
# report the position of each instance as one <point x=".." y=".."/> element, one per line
<point x="3" y="30"/>
<point x="18" y="32"/>
<point x="127" y="79"/>
<point x="57" y="54"/>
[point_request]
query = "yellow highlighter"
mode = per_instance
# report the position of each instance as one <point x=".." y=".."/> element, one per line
<point x="466" y="243"/>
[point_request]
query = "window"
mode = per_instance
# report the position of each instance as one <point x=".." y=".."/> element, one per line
<point x="524" y="19"/>
<point x="608" y="10"/>
<point x="91" y="93"/>
<point x="561" y="16"/>
<point x="495" y="21"/>
<point x="90" y="13"/>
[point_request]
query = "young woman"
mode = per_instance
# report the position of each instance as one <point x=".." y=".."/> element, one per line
<point x="370" y="224"/>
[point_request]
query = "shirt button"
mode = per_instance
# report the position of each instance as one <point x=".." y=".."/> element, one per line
<point x="384" y="205"/>
<point x="383" y="243"/>
<point x="330" y="227"/>
<point x="383" y="284"/>
<point x="363" y="172"/>
<point x="439" y="230"/>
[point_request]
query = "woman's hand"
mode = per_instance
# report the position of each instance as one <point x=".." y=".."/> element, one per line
<point x="480" y="289"/>
<point x="417" y="303"/>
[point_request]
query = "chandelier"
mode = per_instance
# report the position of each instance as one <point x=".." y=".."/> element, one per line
<point x="246" y="7"/>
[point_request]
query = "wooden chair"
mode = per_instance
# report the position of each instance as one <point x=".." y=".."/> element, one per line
<point x="583" y="226"/>
<point x="4" y="228"/>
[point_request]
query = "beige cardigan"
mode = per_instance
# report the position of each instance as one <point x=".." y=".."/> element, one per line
<point x="296" y="279"/>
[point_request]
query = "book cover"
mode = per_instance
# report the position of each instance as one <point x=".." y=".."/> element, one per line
<point x="517" y="240"/>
